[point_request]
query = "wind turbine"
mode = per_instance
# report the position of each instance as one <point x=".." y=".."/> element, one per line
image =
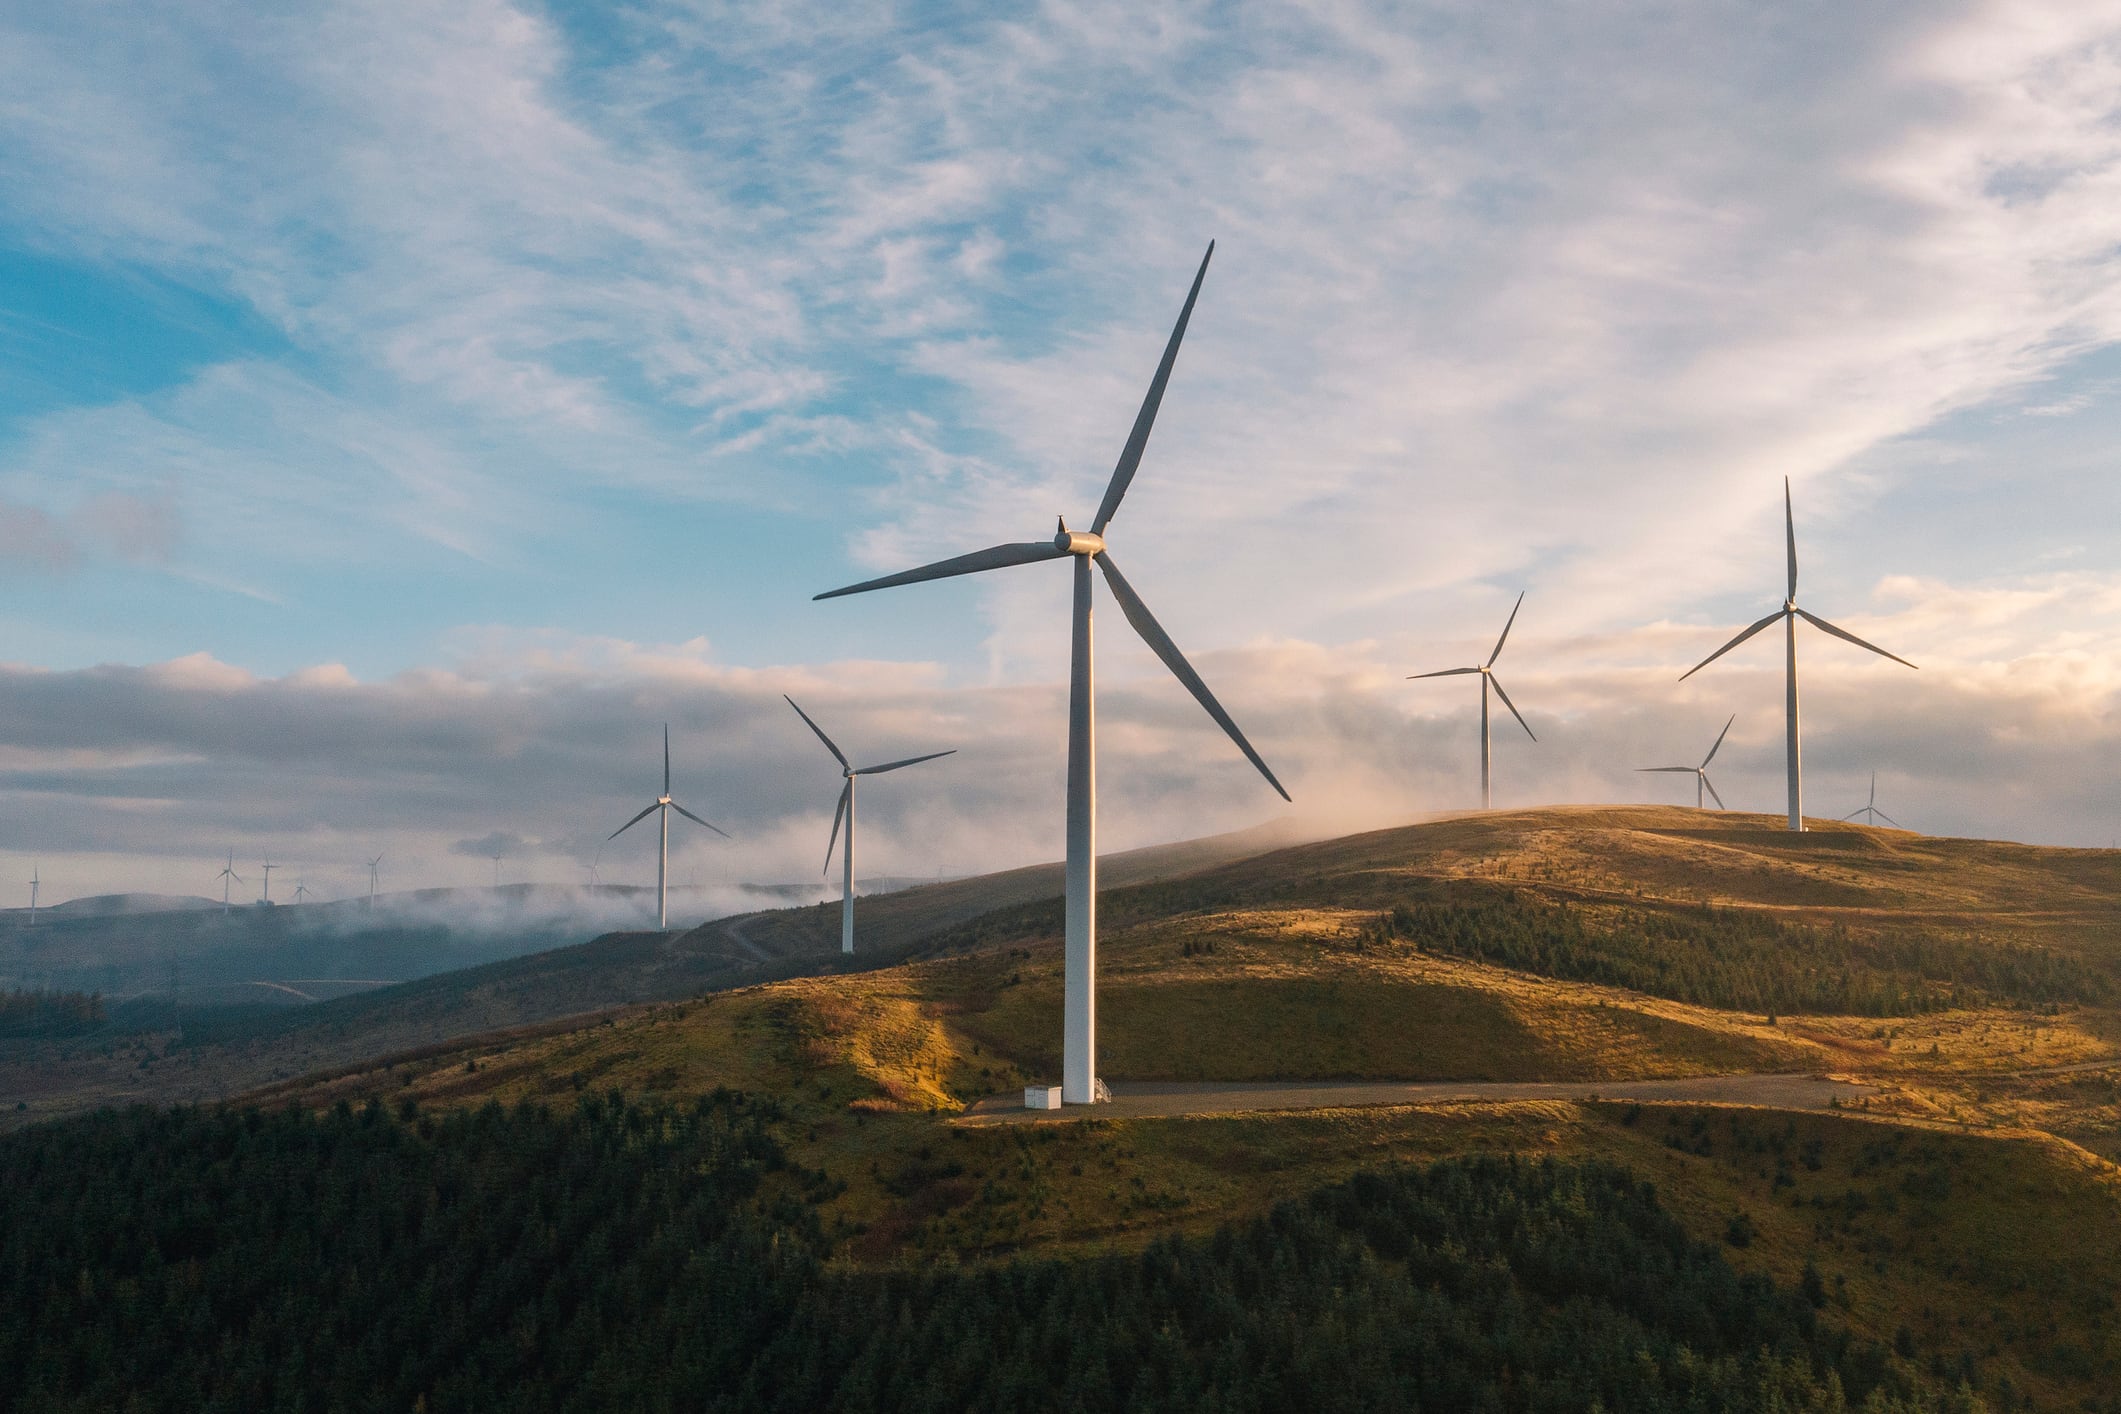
<point x="373" y="866"/>
<point x="1487" y="678"/>
<point x="1701" y="772"/>
<point x="228" y="875"/>
<point x="846" y="808"/>
<point x="268" y="868"/>
<point x="664" y="804"/>
<point x="1789" y="613"/>
<point x="33" y="882"/>
<point x="301" y="891"/>
<point x="1079" y="1082"/>
<point x="1871" y="809"/>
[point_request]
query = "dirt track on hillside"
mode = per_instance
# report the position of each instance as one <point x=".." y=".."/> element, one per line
<point x="1154" y="1099"/>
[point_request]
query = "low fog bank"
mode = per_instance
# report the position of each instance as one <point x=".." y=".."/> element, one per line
<point x="127" y="947"/>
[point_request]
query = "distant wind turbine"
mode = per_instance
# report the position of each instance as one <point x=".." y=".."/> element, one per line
<point x="664" y="804"/>
<point x="227" y="876"/>
<point x="1789" y="613"/>
<point x="1871" y="809"/>
<point x="1487" y="679"/>
<point x="846" y="808"/>
<point x="1701" y="773"/>
<point x="33" y="883"/>
<point x="268" y="868"/>
<point x="1079" y="1082"/>
<point x="301" y="891"/>
<point x="373" y="866"/>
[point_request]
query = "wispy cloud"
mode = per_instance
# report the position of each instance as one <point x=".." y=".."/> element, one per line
<point x="1498" y="302"/>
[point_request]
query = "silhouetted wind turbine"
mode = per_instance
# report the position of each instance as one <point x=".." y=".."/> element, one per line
<point x="268" y="868"/>
<point x="227" y="875"/>
<point x="846" y="808"/>
<point x="1487" y="677"/>
<point x="1701" y="773"/>
<point x="664" y="804"/>
<point x="1871" y="809"/>
<point x="301" y="891"/>
<point x="33" y="883"/>
<point x="1789" y="613"/>
<point x="373" y="865"/>
<point x="1079" y="1082"/>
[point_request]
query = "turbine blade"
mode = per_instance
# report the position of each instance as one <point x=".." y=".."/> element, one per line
<point x="837" y="754"/>
<point x="666" y="758"/>
<point x="1160" y="643"/>
<point x="1729" y="646"/>
<point x="1684" y="770"/>
<point x="1823" y="626"/>
<point x="1446" y="673"/>
<point x="1511" y="705"/>
<point x="1506" y="629"/>
<point x="1130" y="456"/>
<point x="1789" y="523"/>
<point x="1719" y="742"/>
<point x="1888" y="819"/>
<point x="994" y="558"/>
<point x="1712" y="791"/>
<point x="631" y="823"/>
<point x="698" y="821"/>
<point x="1857" y="811"/>
<point x="909" y="761"/>
<point x="838" y="811"/>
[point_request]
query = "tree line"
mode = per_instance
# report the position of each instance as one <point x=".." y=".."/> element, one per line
<point x="1740" y="959"/>
<point x="27" y="1013"/>
<point x="625" y="1257"/>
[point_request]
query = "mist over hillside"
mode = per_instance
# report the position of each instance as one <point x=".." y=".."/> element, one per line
<point x="139" y="946"/>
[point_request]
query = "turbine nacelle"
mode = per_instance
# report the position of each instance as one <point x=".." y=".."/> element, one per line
<point x="1077" y="542"/>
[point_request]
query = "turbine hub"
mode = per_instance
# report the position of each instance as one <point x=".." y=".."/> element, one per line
<point x="1077" y="542"/>
<point x="1789" y="606"/>
<point x="662" y="800"/>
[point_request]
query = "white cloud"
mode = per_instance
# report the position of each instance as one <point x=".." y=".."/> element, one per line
<point x="1498" y="303"/>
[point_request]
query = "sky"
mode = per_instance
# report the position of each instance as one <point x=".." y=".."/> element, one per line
<point x="405" y="410"/>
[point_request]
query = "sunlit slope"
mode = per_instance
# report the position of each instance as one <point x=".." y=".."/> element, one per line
<point x="1941" y="1222"/>
<point x="1550" y="944"/>
<point x="1612" y="854"/>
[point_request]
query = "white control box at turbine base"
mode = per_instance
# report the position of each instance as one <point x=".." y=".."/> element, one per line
<point x="1042" y="1097"/>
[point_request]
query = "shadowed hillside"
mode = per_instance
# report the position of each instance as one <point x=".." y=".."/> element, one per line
<point x="1966" y="1219"/>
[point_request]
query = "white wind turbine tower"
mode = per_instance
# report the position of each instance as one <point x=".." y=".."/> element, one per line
<point x="373" y="865"/>
<point x="1079" y="1082"/>
<point x="1789" y="613"/>
<point x="664" y="804"/>
<point x="1872" y="811"/>
<point x="1701" y="773"/>
<point x="227" y="876"/>
<point x="1487" y="679"/>
<point x="846" y="808"/>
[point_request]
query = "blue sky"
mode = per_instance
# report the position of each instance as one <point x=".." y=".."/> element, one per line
<point x="374" y="363"/>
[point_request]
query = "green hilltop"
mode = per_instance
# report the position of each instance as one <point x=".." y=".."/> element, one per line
<point x="1598" y="988"/>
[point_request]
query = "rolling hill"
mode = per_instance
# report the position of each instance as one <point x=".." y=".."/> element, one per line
<point x="1956" y="1201"/>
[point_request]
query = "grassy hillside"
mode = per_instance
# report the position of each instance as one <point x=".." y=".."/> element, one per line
<point x="1963" y="1229"/>
<point x="1968" y="1219"/>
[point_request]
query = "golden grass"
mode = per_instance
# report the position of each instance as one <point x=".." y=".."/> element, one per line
<point x="1961" y="1221"/>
